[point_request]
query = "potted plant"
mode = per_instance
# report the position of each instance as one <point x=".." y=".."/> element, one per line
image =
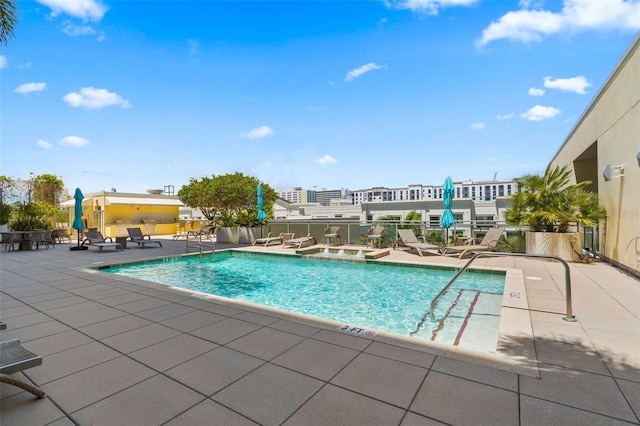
<point x="5" y="215"/>
<point x="549" y="205"/>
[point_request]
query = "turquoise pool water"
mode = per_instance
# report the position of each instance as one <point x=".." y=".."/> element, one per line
<point x="371" y="295"/>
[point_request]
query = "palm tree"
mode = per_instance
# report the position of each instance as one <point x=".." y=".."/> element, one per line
<point x="7" y="20"/>
<point x="548" y="203"/>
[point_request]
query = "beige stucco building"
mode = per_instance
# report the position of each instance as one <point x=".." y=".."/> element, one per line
<point x="604" y="147"/>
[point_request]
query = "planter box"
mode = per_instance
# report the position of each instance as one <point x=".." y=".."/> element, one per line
<point x="567" y="246"/>
<point x="248" y="235"/>
<point x="227" y="234"/>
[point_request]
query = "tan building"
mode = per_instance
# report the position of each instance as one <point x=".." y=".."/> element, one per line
<point x="604" y="147"/>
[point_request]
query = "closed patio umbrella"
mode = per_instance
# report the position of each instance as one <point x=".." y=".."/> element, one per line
<point x="447" y="219"/>
<point x="77" y="219"/>
<point x="261" y="214"/>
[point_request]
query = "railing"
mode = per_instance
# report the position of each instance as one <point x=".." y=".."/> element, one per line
<point x="354" y="231"/>
<point x="567" y="278"/>
<point x="195" y="239"/>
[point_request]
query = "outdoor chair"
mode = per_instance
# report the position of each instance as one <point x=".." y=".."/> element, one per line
<point x="489" y="242"/>
<point x="136" y="236"/>
<point x="95" y="239"/>
<point x="60" y="235"/>
<point x="408" y="239"/>
<point x="332" y="233"/>
<point x="375" y="237"/>
<point x="15" y="358"/>
<point x="300" y="241"/>
<point x="37" y="237"/>
<point x="269" y="239"/>
<point x="10" y="239"/>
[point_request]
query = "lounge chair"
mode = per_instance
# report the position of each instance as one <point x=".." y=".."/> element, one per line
<point x="332" y="233"/>
<point x="375" y="237"/>
<point x="269" y="239"/>
<point x="489" y="242"/>
<point x="95" y="239"/>
<point x="14" y="358"/>
<point x="407" y="238"/>
<point x="300" y="241"/>
<point x="136" y="236"/>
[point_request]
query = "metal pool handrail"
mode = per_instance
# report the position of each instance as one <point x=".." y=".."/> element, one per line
<point x="567" y="278"/>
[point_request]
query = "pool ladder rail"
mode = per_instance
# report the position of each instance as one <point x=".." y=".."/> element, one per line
<point x="202" y="240"/>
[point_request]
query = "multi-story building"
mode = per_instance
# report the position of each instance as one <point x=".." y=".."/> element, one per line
<point x="475" y="191"/>
<point x="298" y="195"/>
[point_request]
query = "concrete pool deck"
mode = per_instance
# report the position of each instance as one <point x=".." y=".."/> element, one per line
<point x="120" y="352"/>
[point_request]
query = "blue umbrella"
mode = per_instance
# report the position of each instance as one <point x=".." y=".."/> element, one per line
<point x="447" y="219"/>
<point x="261" y="214"/>
<point x="77" y="220"/>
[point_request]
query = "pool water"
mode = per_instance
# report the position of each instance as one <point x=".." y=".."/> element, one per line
<point x="392" y="298"/>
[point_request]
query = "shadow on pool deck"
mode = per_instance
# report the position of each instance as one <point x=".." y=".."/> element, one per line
<point x="119" y="351"/>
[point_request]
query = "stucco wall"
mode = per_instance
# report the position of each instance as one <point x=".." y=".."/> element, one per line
<point x="612" y="123"/>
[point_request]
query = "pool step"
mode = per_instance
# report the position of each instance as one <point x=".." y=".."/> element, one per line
<point x="472" y="321"/>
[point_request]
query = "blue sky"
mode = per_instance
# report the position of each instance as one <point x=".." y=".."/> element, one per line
<point x="136" y="95"/>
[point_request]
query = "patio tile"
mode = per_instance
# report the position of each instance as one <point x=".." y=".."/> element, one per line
<point x="570" y="354"/>
<point x="265" y="343"/>
<point x="619" y="351"/>
<point x="24" y="320"/>
<point x="214" y="370"/>
<point x="578" y="389"/>
<point x="478" y="373"/>
<point x="631" y="391"/>
<point x="7" y="390"/>
<point x="205" y="412"/>
<point x="26" y="409"/>
<point x="534" y="412"/>
<point x="58" y="303"/>
<point x="342" y="339"/>
<point x="413" y="419"/>
<point x="459" y="401"/>
<point x="122" y="299"/>
<point x="300" y="329"/>
<point x="192" y="320"/>
<point x="172" y="352"/>
<point x="36" y="331"/>
<point x="225" y="331"/>
<point x="89" y="386"/>
<point x="18" y="311"/>
<point x="227" y="311"/>
<point x="48" y="345"/>
<point x="410" y="356"/>
<point x="105" y="293"/>
<point x="88" y="318"/>
<point x="335" y="406"/>
<point x="381" y="378"/>
<point x="317" y="359"/>
<point x="164" y="312"/>
<point x="70" y="361"/>
<point x="46" y="296"/>
<point x="139" y="338"/>
<point x="65" y="421"/>
<point x="142" y="305"/>
<point x="114" y="326"/>
<point x="256" y="318"/>
<point x="268" y="395"/>
<point x="155" y="400"/>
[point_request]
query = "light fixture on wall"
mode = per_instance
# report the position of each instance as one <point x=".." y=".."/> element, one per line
<point x="612" y="172"/>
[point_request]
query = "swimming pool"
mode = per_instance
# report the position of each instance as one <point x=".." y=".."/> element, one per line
<point x="391" y="298"/>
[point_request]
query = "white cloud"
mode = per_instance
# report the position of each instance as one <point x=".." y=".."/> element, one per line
<point x="92" y="98"/>
<point x="355" y="73"/>
<point x="428" y="6"/>
<point x="574" y="84"/>
<point x="30" y="87"/>
<point x="260" y="132"/>
<point x="74" y="141"/>
<point x="88" y="10"/>
<point x="505" y="116"/>
<point x="3" y="62"/>
<point x="528" y="25"/>
<point x="42" y="144"/>
<point x="326" y="159"/>
<point x="477" y="126"/>
<point x="539" y="113"/>
<point x="536" y="92"/>
<point x="74" y="30"/>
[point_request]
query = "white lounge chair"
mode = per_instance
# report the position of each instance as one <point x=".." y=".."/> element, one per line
<point x="14" y="358"/>
<point x="490" y="242"/>
<point x="407" y="238"/>
<point x="270" y="239"/>
<point x="300" y="241"/>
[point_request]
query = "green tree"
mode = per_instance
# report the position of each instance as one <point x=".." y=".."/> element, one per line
<point x="47" y="188"/>
<point x="229" y="199"/>
<point x="549" y="203"/>
<point x="7" y="20"/>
